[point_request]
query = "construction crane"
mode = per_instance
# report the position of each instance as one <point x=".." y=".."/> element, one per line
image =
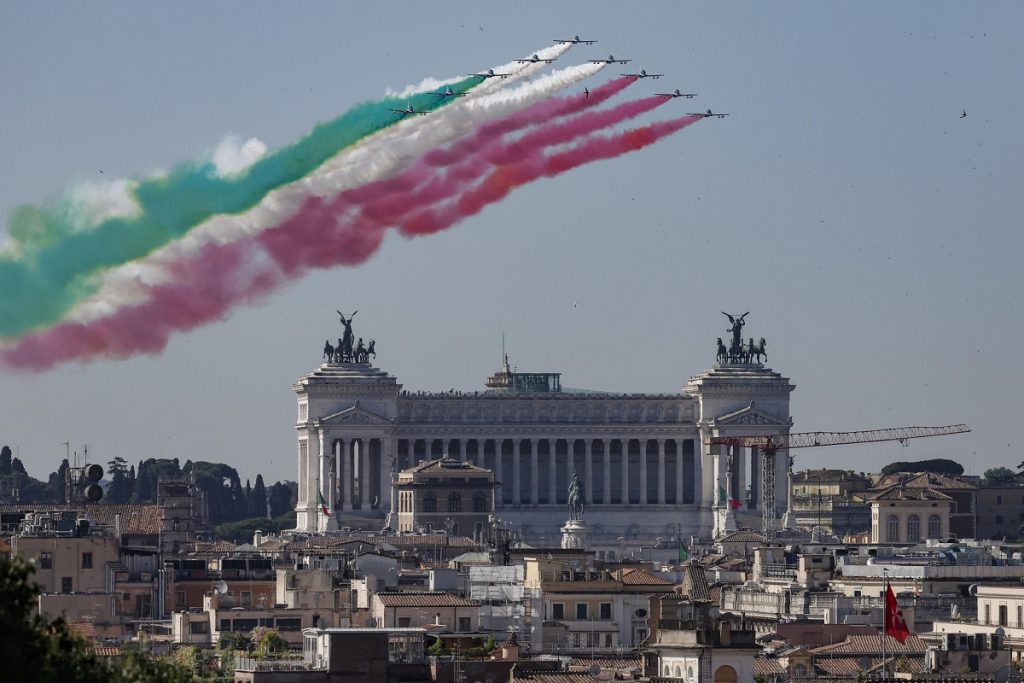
<point x="770" y="445"/>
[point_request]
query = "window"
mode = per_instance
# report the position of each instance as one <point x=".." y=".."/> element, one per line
<point x="1003" y="621"/>
<point x="606" y="611"/>
<point x="455" y="503"/>
<point x="179" y="599"/>
<point x="199" y="627"/>
<point x="246" y="597"/>
<point x="86" y="560"/>
<point x="892" y="532"/>
<point x="1020" y="617"/>
<point x="913" y="529"/>
<point x="465" y="625"/>
<point x="558" y="611"/>
<point x="225" y="624"/>
<point x="65" y="584"/>
<point x="999" y="500"/>
<point x="581" y="610"/>
<point x="403" y="622"/>
<point x="934" y="527"/>
<point x="46" y="560"/>
<point x="289" y="624"/>
<point x="608" y="640"/>
<point x="577" y="639"/>
<point x="479" y="502"/>
<point x="988" y="613"/>
<point x="430" y="503"/>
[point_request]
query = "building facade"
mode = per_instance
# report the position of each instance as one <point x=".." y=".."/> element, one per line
<point x="445" y="495"/>
<point x="635" y="453"/>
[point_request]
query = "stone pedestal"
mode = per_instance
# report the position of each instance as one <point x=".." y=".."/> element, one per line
<point x="575" y="535"/>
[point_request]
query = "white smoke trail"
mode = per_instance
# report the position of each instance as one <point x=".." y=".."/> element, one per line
<point x="378" y="156"/>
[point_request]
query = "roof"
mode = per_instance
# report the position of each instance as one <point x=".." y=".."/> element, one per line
<point x="695" y="582"/>
<point x="903" y="492"/>
<point x="606" y="663"/>
<point x="743" y="536"/>
<point x="926" y="480"/>
<point x="136" y="519"/>
<point x="816" y="634"/>
<point x="856" y="644"/>
<point x="642" y="577"/>
<point x="764" y="666"/>
<point x="424" y="599"/>
<point x="447" y="466"/>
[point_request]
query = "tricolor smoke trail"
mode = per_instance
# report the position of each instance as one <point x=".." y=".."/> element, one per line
<point x="200" y="293"/>
<point x="51" y="255"/>
<point x="372" y="158"/>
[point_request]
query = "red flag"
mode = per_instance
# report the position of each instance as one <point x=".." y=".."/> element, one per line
<point x="895" y="624"/>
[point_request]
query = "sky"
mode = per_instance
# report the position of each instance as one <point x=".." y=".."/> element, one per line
<point x="872" y="232"/>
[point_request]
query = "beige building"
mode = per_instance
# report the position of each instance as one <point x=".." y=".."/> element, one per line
<point x="445" y="495"/>
<point x="903" y="514"/>
<point x="580" y="608"/>
<point x="426" y="609"/>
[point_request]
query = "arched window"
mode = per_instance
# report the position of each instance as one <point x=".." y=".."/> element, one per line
<point x="892" y="531"/>
<point x="430" y="503"/>
<point x="934" y="527"/>
<point x="679" y="671"/>
<point x="479" y="502"/>
<point x="455" y="503"/>
<point x="913" y="529"/>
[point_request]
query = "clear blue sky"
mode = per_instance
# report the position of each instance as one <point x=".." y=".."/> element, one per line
<point x="867" y="228"/>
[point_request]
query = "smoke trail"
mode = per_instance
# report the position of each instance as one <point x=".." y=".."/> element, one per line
<point x="47" y="271"/>
<point x="200" y="293"/>
<point x="373" y="158"/>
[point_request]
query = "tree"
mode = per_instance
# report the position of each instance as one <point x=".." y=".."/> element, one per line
<point x="120" y="489"/>
<point x="17" y="467"/>
<point x="5" y="460"/>
<point x="259" y="498"/>
<point x="280" y="499"/>
<point x="33" y="649"/>
<point x="58" y="482"/>
<point x="936" y="466"/>
<point x="999" y="476"/>
<point x="267" y="642"/>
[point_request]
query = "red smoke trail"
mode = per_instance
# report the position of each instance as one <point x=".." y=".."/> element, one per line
<point x="205" y="288"/>
<point x="504" y="179"/>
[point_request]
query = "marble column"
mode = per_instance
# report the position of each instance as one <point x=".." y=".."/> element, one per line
<point x="347" y="448"/>
<point x="325" y="470"/>
<point x="661" y="471"/>
<point x="740" y="469"/>
<point x="680" y="459"/>
<point x="643" y="471"/>
<point x="570" y="461"/>
<point x="387" y="457"/>
<point x="534" y="473"/>
<point x="606" y="498"/>
<point x="755" y="479"/>
<point x="364" y="474"/>
<point x="700" y="488"/>
<point x="552" y="474"/>
<point x="624" y="498"/>
<point x="517" y="484"/>
<point x="588" y="473"/>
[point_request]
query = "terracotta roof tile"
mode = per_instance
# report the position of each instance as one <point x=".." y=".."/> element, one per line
<point x="642" y="577"/>
<point x="426" y="599"/>
<point x="871" y="645"/>
<point x="606" y="663"/>
<point x="764" y="666"/>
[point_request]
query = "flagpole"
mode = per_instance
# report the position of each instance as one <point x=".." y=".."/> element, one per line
<point x="885" y="617"/>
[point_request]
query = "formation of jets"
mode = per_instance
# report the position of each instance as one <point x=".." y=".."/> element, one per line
<point x="408" y="111"/>
<point x="676" y="93"/>
<point x="575" y="40"/>
<point x="706" y="114"/>
<point x="447" y="92"/>
<point x="611" y="60"/>
<point x="644" y="74"/>
<point x="490" y="74"/>
<point x="534" y="59"/>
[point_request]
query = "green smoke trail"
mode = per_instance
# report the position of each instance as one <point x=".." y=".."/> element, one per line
<point x="55" y="264"/>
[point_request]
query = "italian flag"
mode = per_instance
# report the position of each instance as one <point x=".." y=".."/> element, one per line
<point x="684" y="552"/>
<point x="724" y="498"/>
<point x="323" y="503"/>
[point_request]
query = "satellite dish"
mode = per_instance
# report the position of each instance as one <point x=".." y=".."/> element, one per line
<point x="595" y="669"/>
<point x="221" y="587"/>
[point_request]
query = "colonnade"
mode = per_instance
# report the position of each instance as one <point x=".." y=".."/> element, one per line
<point x="618" y="470"/>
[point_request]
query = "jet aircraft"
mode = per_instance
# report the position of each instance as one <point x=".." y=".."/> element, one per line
<point x="534" y="59"/>
<point x="611" y="60"/>
<point x="448" y="92"/>
<point x="490" y="74"/>
<point x="409" y="110"/>
<point x="706" y="114"/>
<point x="574" y="40"/>
<point x="644" y="74"/>
<point x="676" y="93"/>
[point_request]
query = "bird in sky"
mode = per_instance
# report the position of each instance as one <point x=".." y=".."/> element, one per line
<point x="963" y="113"/>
